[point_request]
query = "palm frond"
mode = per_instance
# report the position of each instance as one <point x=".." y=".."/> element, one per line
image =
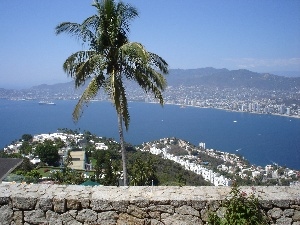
<point x="140" y="66"/>
<point x="93" y="66"/>
<point x="89" y="93"/>
<point x="157" y="78"/>
<point x="89" y="26"/>
<point x="134" y="52"/>
<point x="68" y="27"/>
<point x="77" y="30"/>
<point x="151" y="81"/>
<point x="126" y="13"/>
<point x="159" y="63"/>
<point x="73" y="64"/>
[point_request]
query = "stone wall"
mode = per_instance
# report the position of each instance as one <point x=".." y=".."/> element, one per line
<point x="73" y="204"/>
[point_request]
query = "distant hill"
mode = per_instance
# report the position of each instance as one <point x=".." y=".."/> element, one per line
<point x="287" y="73"/>
<point x="225" y="78"/>
<point x="210" y="77"/>
<point x="54" y="87"/>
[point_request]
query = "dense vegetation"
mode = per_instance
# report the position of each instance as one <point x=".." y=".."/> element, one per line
<point x="144" y="168"/>
<point x="167" y="172"/>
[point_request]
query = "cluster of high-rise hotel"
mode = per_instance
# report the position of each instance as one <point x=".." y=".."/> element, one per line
<point x="243" y="100"/>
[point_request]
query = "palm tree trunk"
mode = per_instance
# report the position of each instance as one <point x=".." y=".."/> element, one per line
<point x="123" y="150"/>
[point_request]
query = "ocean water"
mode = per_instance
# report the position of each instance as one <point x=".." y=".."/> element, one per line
<point x="262" y="139"/>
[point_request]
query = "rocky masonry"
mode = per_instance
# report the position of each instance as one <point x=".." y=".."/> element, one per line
<point x="73" y="204"/>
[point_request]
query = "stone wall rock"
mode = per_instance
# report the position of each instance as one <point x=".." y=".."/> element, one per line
<point x="35" y="216"/>
<point x="6" y="215"/>
<point x="79" y="205"/>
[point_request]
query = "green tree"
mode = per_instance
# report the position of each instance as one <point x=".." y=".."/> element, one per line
<point x="47" y="152"/>
<point x="89" y="149"/>
<point x="110" y="59"/>
<point x="32" y="176"/>
<point x="59" y="143"/>
<point x="8" y="155"/>
<point x="67" y="176"/>
<point x="181" y="180"/>
<point x="27" y="137"/>
<point x="26" y="166"/>
<point x="111" y="171"/>
<point x="57" y="176"/>
<point x="25" y="148"/>
<point x="99" y="166"/>
<point x="34" y="173"/>
<point x="142" y="172"/>
<point x="280" y="171"/>
<point x="107" y="169"/>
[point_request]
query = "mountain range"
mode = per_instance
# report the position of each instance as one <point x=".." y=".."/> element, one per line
<point x="225" y="78"/>
<point x="222" y="78"/>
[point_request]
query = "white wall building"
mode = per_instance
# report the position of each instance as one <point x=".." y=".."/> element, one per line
<point x="101" y="146"/>
<point x="208" y="175"/>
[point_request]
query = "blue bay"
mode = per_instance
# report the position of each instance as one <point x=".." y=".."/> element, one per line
<point x="262" y="139"/>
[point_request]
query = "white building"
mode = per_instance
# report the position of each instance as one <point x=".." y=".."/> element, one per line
<point x="202" y="145"/>
<point x="35" y="161"/>
<point x="101" y="146"/>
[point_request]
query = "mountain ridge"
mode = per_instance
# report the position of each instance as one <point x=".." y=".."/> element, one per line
<point x="232" y="79"/>
<point x="208" y="76"/>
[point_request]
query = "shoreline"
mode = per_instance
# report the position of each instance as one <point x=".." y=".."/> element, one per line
<point x="181" y="105"/>
<point x="230" y="110"/>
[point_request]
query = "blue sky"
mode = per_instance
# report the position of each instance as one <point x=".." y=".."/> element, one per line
<point x="262" y="36"/>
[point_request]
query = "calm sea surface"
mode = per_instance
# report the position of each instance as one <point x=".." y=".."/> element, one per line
<point x="262" y="139"/>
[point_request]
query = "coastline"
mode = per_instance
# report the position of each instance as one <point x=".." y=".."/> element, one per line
<point x="230" y="110"/>
<point x="212" y="133"/>
<point x="181" y="105"/>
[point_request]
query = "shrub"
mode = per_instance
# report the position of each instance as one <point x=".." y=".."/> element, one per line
<point x="240" y="209"/>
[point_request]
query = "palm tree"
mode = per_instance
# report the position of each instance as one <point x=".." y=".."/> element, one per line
<point x="110" y="59"/>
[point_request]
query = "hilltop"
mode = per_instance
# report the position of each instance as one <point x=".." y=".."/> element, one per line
<point x="225" y="78"/>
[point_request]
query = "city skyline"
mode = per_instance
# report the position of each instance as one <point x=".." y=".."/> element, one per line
<point x="261" y="36"/>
